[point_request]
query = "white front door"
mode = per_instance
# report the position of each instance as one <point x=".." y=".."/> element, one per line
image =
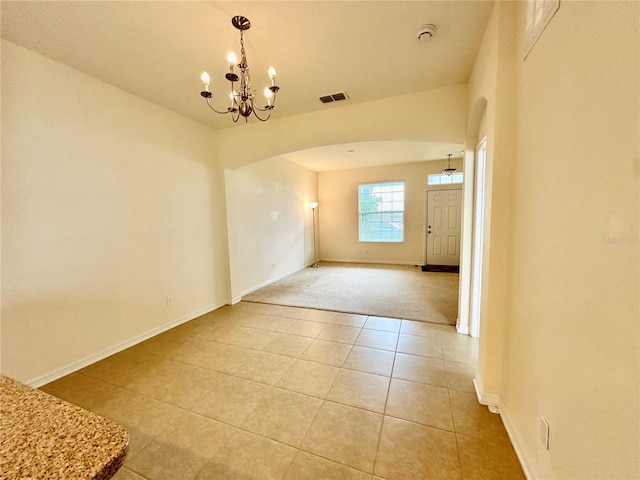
<point x="444" y="211"/>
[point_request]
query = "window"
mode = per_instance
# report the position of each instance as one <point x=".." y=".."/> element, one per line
<point x="539" y="14"/>
<point x="381" y="212"/>
<point x="442" y="179"/>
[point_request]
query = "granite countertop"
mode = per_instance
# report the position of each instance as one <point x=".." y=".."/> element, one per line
<point x="42" y="436"/>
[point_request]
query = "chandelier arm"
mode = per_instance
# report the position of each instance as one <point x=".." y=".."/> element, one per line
<point x="255" y="113"/>
<point x="270" y="107"/>
<point x="221" y="113"/>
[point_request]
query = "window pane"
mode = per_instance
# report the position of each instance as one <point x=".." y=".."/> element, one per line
<point x="441" y="179"/>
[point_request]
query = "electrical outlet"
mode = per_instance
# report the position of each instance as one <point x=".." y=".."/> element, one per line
<point x="544" y="432"/>
<point x="273" y="266"/>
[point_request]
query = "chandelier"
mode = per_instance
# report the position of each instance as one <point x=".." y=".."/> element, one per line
<point x="449" y="170"/>
<point x="243" y="101"/>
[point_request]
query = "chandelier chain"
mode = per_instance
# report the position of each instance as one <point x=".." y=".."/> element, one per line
<point x="245" y="81"/>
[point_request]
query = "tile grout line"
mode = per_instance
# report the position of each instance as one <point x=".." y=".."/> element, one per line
<point x="298" y="448"/>
<point x="136" y="473"/>
<point x="384" y="413"/>
<point x="324" y="400"/>
<point x="455" y="434"/>
<point x="274" y="385"/>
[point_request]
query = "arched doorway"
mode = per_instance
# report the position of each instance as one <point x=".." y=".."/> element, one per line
<point x="475" y="246"/>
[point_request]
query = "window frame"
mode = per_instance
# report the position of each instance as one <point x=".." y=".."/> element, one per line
<point x="362" y="238"/>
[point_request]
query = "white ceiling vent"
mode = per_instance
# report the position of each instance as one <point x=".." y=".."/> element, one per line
<point x="333" y="97"/>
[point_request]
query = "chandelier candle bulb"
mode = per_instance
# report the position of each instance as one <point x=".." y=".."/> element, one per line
<point x="232" y="59"/>
<point x="206" y="79"/>
<point x="272" y="76"/>
<point x="268" y="94"/>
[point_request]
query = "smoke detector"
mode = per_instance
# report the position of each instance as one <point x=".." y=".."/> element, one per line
<point x="425" y="32"/>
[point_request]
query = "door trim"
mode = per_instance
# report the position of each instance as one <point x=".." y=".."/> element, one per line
<point x="479" y="242"/>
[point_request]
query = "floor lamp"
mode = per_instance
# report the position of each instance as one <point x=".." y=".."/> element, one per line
<point x="313" y="206"/>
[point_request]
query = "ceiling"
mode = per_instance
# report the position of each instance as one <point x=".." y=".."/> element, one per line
<point x="158" y="49"/>
<point x="371" y="154"/>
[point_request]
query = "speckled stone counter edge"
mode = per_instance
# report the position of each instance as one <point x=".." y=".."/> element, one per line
<point x="42" y="436"/>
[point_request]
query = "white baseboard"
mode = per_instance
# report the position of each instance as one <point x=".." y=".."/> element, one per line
<point x="515" y="442"/>
<point x="371" y="261"/>
<point x="462" y="328"/>
<point x="495" y="400"/>
<point x="268" y="282"/>
<point x="75" y="366"/>
<point x="484" y="398"/>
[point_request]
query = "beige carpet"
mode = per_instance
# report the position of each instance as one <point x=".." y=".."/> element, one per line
<point x="395" y="291"/>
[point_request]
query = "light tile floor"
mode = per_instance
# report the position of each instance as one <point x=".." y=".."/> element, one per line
<point x="260" y="392"/>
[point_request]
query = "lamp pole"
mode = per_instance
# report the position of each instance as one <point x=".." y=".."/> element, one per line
<point x="313" y="206"/>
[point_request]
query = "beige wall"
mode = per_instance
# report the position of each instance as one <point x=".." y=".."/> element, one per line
<point x="565" y="311"/>
<point x="574" y="357"/>
<point x="110" y="204"/>
<point x="437" y="115"/>
<point x="338" y="212"/>
<point x="269" y="222"/>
